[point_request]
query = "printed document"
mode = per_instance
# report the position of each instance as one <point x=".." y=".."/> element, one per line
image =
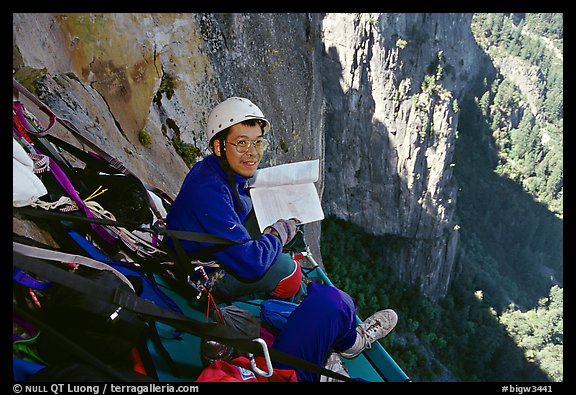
<point x="286" y="191"/>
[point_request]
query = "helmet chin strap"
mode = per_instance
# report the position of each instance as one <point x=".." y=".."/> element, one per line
<point x="229" y="173"/>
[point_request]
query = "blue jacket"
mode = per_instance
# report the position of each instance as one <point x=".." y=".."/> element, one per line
<point x="206" y="204"/>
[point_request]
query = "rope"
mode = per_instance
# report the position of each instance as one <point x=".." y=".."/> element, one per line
<point x="135" y="243"/>
<point x="64" y="204"/>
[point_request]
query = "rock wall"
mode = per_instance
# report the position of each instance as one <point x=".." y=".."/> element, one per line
<point x="392" y="85"/>
<point x="345" y="88"/>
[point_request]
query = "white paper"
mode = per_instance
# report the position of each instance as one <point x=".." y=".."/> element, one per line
<point x="287" y="174"/>
<point x="286" y="191"/>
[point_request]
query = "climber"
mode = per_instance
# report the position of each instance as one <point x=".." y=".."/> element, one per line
<point x="214" y="199"/>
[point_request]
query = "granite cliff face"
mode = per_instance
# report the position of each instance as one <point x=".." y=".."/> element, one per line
<point x="392" y="84"/>
<point x="374" y="96"/>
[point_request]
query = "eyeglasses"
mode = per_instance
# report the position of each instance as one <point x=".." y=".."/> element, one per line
<point x="244" y="145"/>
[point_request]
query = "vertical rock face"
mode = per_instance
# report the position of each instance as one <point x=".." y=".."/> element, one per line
<point x="391" y="84"/>
<point x="374" y="96"/>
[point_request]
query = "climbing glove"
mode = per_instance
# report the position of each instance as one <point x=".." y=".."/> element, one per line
<point x="284" y="229"/>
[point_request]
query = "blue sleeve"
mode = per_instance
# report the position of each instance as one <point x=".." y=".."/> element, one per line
<point x="209" y="208"/>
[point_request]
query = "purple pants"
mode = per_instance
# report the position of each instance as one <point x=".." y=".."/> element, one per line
<point x="325" y="320"/>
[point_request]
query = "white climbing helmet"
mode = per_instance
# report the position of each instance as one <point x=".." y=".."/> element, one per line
<point x="232" y="111"/>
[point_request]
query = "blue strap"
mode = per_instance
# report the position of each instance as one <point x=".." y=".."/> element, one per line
<point x="29" y="281"/>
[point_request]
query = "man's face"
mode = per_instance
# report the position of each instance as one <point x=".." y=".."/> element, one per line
<point x="244" y="164"/>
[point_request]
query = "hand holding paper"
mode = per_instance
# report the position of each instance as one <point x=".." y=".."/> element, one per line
<point x="284" y="229"/>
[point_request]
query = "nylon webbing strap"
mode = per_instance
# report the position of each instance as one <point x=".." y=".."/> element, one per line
<point x="28" y="281"/>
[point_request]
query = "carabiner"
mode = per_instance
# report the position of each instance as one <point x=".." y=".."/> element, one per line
<point x="255" y="368"/>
